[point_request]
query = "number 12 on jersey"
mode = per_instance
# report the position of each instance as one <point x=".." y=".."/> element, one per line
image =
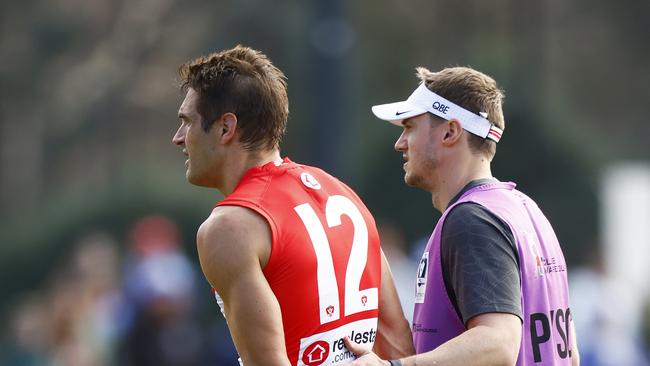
<point x="328" y="294"/>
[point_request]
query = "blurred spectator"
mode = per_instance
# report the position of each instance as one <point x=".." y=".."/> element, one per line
<point x="160" y="282"/>
<point x="29" y="334"/>
<point x="86" y="305"/>
<point x="646" y="327"/>
<point x="89" y="316"/>
<point x="75" y="321"/>
<point x="221" y="349"/>
<point x="394" y="245"/>
<point x="607" y="316"/>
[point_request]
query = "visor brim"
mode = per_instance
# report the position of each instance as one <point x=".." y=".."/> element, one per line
<point x="396" y="112"/>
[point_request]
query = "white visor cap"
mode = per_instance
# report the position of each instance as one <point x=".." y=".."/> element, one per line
<point x="423" y="100"/>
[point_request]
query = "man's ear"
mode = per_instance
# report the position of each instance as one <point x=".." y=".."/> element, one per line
<point x="452" y="133"/>
<point x="227" y="127"/>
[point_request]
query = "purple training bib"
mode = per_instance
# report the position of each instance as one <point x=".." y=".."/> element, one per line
<point x="543" y="272"/>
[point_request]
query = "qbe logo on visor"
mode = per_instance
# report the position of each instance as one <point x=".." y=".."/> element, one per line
<point x="327" y="348"/>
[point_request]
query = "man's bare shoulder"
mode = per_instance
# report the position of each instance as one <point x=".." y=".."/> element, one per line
<point x="231" y="221"/>
<point x="232" y="235"/>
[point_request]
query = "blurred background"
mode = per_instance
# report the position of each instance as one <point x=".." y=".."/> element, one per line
<point x="97" y="258"/>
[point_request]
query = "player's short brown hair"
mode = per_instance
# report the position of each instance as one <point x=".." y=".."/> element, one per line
<point x="242" y="81"/>
<point x="472" y="90"/>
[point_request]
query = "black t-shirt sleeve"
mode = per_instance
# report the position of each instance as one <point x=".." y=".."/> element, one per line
<point x="480" y="263"/>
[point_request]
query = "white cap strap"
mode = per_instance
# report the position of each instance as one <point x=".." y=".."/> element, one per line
<point x="443" y="108"/>
<point x="495" y="133"/>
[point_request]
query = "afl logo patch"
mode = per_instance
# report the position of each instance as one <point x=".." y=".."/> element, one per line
<point x="309" y="181"/>
<point x="421" y="279"/>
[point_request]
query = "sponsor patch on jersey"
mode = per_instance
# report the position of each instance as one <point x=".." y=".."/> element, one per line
<point x="327" y="348"/>
<point x="309" y="181"/>
<point x="543" y="265"/>
<point x="421" y="280"/>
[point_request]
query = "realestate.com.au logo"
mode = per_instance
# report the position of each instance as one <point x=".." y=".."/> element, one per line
<point x="316" y="353"/>
<point x="320" y="351"/>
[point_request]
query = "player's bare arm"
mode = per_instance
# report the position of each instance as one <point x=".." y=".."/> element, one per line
<point x="575" y="354"/>
<point x="394" y="339"/>
<point x="234" y="245"/>
<point x="491" y="339"/>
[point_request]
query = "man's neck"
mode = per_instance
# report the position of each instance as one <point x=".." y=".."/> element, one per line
<point x="239" y="165"/>
<point x="456" y="177"/>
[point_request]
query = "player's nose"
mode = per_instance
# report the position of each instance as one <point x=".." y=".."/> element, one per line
<point x="400" y="144"/>
<point x="179" y="136"/>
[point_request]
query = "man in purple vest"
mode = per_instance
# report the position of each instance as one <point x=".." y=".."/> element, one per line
<point x="491" y="286"/>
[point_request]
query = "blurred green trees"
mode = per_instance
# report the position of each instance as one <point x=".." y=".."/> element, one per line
<point x="89" y="98"/>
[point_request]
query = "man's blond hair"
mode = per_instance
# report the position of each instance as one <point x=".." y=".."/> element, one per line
<point x="472" y="90"/>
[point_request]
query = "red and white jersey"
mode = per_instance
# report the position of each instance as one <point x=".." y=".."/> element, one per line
<point x="325" y="263"/>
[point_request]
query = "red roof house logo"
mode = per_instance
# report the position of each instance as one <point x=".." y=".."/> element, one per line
<point x="316" y="353"/>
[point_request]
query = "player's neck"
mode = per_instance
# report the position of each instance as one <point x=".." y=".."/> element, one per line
<point x="457" y="175"/>
<point x="242" y="162"/>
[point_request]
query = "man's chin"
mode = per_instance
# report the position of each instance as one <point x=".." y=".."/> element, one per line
<point x="192" y="179"/>
<point x="198" y="180"/>
<point x="412" y="181"/>
<point x="408" y="179"/>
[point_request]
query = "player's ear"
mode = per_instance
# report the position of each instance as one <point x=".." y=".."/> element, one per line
<point x="452" y="133"/>
<point x="227" y="127"/>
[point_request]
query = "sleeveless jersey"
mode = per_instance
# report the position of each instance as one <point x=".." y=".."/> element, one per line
<point x="544" y="286"/>
<point x="325" y="262"/>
